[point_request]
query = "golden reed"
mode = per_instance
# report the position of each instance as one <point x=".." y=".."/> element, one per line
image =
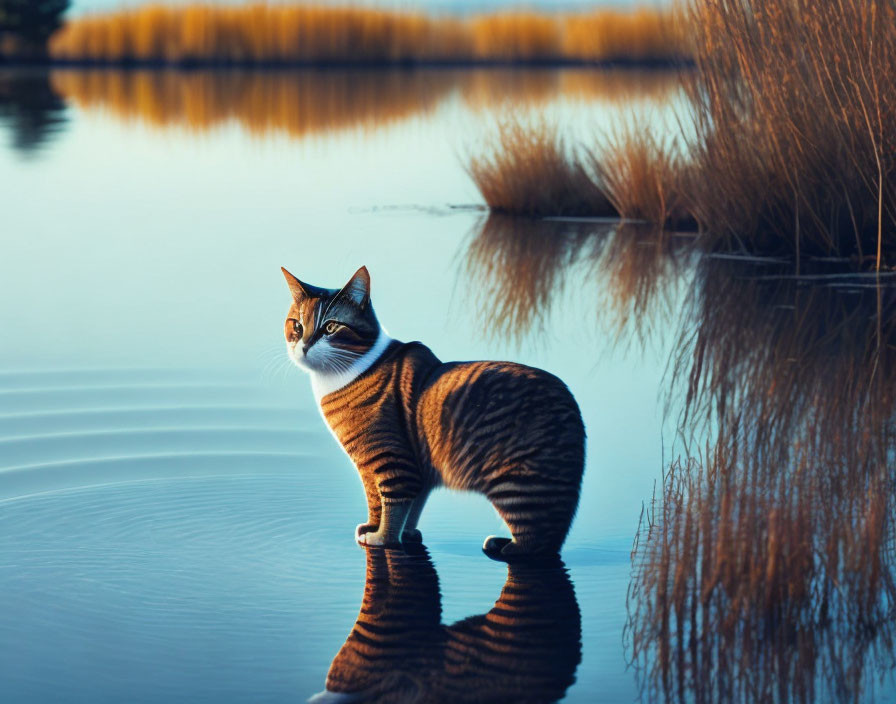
<point x="307" y="33"/>
<point x="789" y="143"/>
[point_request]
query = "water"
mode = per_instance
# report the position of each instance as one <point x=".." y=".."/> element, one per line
<point x="177" y="523"/>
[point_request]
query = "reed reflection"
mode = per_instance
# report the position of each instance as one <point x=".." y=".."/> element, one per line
<point x="30" y="109"/>
<point x="525" y="649"/>
<point x="305" y="102"/>
<point x="765" y="571"/>
<point x="523" y="266"/>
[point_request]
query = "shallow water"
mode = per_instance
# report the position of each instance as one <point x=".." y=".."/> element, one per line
<point x="177" y="523"/>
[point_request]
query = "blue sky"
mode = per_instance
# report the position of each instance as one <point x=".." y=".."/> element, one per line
<point x="454" y="5"/>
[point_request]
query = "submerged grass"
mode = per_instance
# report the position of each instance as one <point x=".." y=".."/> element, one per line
<point x="313" y="33"/>
<point x="790" y="141"/>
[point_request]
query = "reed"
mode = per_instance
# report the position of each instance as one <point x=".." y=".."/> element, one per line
<point x="795" y="123"/>
<point x="642" y="34"/>
<point x="531" y="171"/>
<point x="311" y="33"/>
<point x="789" y="143"/>
<point x="639" y="173"/>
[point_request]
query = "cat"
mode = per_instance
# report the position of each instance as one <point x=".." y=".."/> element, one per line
<point x="525" y="649"/>
<point x="411" y="423"/>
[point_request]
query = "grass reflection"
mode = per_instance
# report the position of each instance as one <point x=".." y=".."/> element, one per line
<point x="522" y="266"/>
<point x="764" y="571"/>
<point x="303" y="102"/>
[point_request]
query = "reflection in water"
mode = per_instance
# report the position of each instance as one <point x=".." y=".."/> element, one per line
<point x="519" y="266"/>
<point x="522" y="266"/>
<point x="29" y="107"/>
<point x="307" y="102"/>
<point x="526" y="649"/>
<point x="766" y="571"/>
<point x="298" y="103"/>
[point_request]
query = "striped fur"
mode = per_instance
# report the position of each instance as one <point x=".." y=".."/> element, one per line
<point x="411" y="423"/>
<point x="525" y="649"/>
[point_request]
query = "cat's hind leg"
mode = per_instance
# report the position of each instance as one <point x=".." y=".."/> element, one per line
<point x="538" y="514"/>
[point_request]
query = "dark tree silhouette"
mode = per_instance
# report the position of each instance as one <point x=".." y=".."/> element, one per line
<point x="32" y="21"/>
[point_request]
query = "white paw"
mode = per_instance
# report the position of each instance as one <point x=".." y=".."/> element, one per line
<point x="362" y="529"/>
<point x="371" y="538"/>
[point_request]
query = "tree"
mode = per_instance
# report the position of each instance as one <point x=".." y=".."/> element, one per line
<point x="32" y="21"/>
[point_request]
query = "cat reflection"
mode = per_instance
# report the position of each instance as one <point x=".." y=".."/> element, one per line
<point x="526" y="649"/>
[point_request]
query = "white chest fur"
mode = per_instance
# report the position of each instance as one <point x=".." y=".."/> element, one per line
<point x="326" y="383"/>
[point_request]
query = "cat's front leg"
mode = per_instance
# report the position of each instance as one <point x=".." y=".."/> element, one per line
<point x="392" y="519"/>
<point x="374" y="510"/>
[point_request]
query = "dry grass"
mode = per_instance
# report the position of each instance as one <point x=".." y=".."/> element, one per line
<point x="531" y="171"/>
<point x="641" y="34"/>
<point x="796" y="124"/>
<point x="309" y="33"/>
<point x="639" y="173"/>
<point x="790" y="145"/>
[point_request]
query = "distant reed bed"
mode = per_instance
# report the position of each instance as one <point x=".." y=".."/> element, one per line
<point x="260" y="33"/>
<point x="789" y="143"/>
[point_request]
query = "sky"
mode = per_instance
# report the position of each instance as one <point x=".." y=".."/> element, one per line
<point x="79" y="6"/>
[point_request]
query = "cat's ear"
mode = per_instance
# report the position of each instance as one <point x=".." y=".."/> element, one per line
<point x="297" y="288"/>
<point x="357" y="289"/>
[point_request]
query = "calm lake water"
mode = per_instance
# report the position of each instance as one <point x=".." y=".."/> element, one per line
<point x="176" y="522"/>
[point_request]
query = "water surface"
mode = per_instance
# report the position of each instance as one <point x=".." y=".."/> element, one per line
<point x="177" y="521"/>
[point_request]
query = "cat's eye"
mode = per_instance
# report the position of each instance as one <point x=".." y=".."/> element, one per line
<point x="297" y="328"/>
<point x="331" y="327"/>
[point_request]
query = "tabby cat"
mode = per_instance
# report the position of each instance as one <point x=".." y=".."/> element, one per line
<point x="411" y="423"/>
<point x="526" y="649"/>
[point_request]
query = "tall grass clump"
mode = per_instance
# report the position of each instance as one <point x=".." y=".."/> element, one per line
<point x="795" y="118"/>
<point x="789" y="140"/>
<point x="531" y="171"/>
<point x="639" y="172"/>
<point x="312" y="33"/>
